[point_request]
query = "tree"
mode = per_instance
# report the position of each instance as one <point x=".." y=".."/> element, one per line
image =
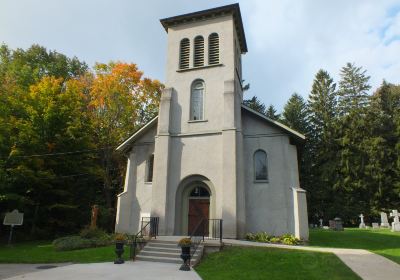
<point x="120" y="101"/>
<point x="321" y="145"/>
<point x="353" y="88"/>
<point x="294" y="113"/>
<point x="271" y="113"/>
<point x="255" y="104"/>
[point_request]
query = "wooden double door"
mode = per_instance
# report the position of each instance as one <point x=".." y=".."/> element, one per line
<point x="199" y="210"/>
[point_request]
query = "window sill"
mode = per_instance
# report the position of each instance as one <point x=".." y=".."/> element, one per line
<point x="148" y="183"/>
<point x="197" y="121"/>
<point x="199" y="67"/>
<point x="260" y="181"/>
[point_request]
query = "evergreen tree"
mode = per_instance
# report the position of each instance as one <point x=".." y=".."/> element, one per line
<point x="353" y="88"/>
<point x="255" y="104"/>
<point x="321" y="144"/>
<point x="295" y="113"/>
<point x="271" y="113"/>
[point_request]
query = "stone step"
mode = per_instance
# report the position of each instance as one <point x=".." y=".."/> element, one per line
<point x="163" y="245"/>
<point x="162" y="249"/>
<point x="159" y="259"/>
<point x="164" y="254"/>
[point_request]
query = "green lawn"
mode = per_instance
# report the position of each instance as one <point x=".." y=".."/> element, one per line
<point x="382" y="241"/>
<point x="43" y="252"/>
<point x="271" y="263"/>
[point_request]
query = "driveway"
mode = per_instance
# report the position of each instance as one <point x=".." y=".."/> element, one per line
<point x="130" y="270"/>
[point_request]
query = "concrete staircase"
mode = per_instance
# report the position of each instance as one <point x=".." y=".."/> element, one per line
<point x="166" y="251"/>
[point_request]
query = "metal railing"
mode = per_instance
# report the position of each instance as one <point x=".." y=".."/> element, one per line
<point x="149" y="229"/>
<point x="210" y="229"/>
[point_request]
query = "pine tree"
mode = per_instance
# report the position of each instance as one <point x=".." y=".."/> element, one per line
<point x="255" y="104"/>
<point x="295" y="113"/>
<point x="271" y="113"/>
<point x="353" y="88"/>
<point x="321" y="144"/>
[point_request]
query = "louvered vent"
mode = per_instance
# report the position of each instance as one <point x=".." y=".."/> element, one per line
<point x="184" y="54"/>
<point x="213" y="49"/>
<point x="198" y="51"/>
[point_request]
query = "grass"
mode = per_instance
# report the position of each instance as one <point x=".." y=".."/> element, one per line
<point x="382" y="241"/>
<point x="44" y="252"/>
<point x="272" y="263"/>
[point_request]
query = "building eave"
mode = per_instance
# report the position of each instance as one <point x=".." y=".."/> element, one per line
<point x="297" y="135"/>
<point x="128" y="142"/>
<point x="232" y="9"/>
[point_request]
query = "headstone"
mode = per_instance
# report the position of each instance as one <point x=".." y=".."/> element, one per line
<point x="384" y="220"/>
<point x="325" y="227"/>
<point x="375" y="225"/>
<point x="396" y="221"/>
<point x="12" y="219"/>
<point x="321" y="221"/>
<point x="362" y="224"/>
<point x="336" y="224"/>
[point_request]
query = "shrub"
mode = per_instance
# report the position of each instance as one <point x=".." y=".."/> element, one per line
<point x="71" y="243"/>
<point x="89" y="233"/>
<point x="275" y="239"/>
<point x="289" y="239"/>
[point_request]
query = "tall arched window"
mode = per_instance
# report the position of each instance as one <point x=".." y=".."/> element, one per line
<point x="198" y="51"/>
<point x="196" y="100"/>
<point x="184" y="52"/>
<point x="213" y="49"/>
<point x="260" y="166"/>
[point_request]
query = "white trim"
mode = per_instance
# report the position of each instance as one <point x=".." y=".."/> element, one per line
<point x="284" y="127"/>
<point x="136" y="134"/>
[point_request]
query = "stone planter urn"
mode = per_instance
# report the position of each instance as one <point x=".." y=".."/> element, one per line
<point x="185" y="245"/>
<point x="119" y="249"/>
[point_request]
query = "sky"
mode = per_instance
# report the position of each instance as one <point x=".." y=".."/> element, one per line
<point x="288" y="40"/>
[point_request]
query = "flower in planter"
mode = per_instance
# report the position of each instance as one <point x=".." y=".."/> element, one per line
<point x="185" y="242"/>
<point x="120" y="237"/>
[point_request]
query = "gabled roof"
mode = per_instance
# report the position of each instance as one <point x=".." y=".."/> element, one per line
<point x="125" y="145"/>
<point x="232" y="9"/>
<point x="292" y="132"/>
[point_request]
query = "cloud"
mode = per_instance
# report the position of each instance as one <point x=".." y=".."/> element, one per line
<point x="288" y="40"/>
<point x="291" y="40"/>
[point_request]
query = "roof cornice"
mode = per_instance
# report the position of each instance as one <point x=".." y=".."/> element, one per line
<point x="232" y="9"/>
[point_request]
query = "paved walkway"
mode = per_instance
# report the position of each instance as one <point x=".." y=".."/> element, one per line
<point x="109" y="271"/>
<point x="10" y="269"/>
<point x="367" y="265"/>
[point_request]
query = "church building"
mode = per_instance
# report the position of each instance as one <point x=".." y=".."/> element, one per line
<point x="206" y="156"/>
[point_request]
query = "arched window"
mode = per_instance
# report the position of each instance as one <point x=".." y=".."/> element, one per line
<point x="213" y="49"/>
<point x="150" y="168"/>
<point x="196" y="100"/>
<point x="184" y="52"/>
<point x="198" y="51"/>
<point x="260" y="166"/>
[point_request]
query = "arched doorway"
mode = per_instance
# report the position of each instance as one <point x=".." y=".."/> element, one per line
<point x="199" y="210"/>
<point x="195" y="200"/>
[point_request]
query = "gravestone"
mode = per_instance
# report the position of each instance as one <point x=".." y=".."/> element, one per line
<point x="362" y="224"/>
<point x="384" y="220"/>
<point x="321" y="223"/>
<point x="12" y="219"/>
<point x="336" y="224"/>
<point x="396" y="222"/>
<point x="375" y="225"/>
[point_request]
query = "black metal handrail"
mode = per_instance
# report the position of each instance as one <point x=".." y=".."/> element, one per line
<point x="147" y="222"/>
<point x="211" y="229"/>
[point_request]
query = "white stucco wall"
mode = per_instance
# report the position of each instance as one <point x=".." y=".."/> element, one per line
<point x="269" y="205"/>
<point x="135" y="201"/>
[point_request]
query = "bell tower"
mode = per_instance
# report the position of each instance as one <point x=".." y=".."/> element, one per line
<point x="202" y="98"/>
